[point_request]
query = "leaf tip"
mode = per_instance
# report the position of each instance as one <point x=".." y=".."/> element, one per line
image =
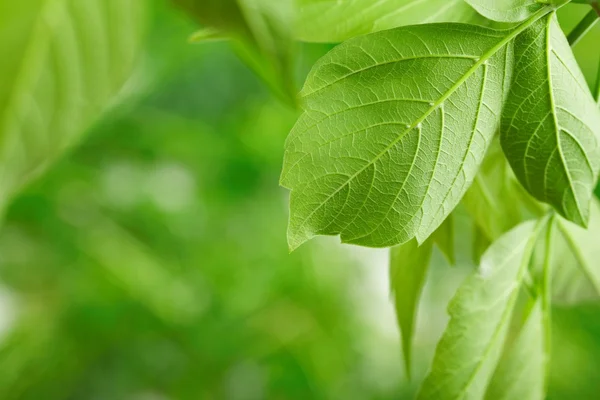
<point x="296" y="239"/>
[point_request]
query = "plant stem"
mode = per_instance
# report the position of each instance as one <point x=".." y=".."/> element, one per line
<point x="546" y="291"/>
<point x="583" y="27"/>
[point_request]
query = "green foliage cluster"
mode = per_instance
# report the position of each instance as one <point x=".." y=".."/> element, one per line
<point x="424" y="107"/>
<point x="401" y="125"/>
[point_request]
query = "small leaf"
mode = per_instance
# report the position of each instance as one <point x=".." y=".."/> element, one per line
<point x="63" y="64"/>
<point x="333" y="21"/>
<point x="408" y="270"/>
<point x="388" y="144"/>
<point x="522" y="368"/>
<point x="480" y="314"/>
<point x="550" y="123"/>
<point x="506" y="10"/>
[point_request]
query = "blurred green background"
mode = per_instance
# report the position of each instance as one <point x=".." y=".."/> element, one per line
<point x="151" y="263"/>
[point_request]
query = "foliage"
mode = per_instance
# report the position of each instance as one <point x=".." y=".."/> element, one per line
<point x="430" y="120"/>
<point x="396" y="125"/>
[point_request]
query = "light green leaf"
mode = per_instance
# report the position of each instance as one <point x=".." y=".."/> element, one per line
<point x="550" y="123"/>
<point x="444" y="239"/>
<point x="61" y="64"/>
<point x="506" y="10"/>
<point x="333" y="21"/>
<point x="480" y="314"/>
<point x="408" y="270"/>
<point x="522" y="369"/>
<point x="576" y="261"/>
<point x="395" y="126"/>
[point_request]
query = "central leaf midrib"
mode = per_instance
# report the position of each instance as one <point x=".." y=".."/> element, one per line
<point x="486" y="56"/>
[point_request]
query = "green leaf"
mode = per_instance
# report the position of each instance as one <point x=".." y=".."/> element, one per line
<point x="395" y="126"/>
<point x="575" y="260"/>
<point x="550" y="123"/>
<point x="444" y="239"/>
<point x="62" y="64"/>
<point x="480" y="314"/>
<point x="522" y="368"/>
<point x="506" y="10"/>
<point x="408" y="270"/>
<point x="333" y="21"/>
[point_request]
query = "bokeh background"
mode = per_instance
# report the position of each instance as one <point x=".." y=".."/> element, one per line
<point x="150" y="262"/>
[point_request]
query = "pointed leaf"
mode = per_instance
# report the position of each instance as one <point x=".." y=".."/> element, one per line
<point x="480" y="314"/>
<point x="550" y="123"/>
<point x="388" y="144"/>
<point x="408" y="270"/>
<point x="335" y="21"/>
<point x="506" y="10"/>
<point x="522" y="369"/>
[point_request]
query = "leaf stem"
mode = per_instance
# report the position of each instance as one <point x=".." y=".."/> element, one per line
<point x="546" y="292"/>
<point x="583" y="27"/>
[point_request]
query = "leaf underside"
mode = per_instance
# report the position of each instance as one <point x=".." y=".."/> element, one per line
<point x="480" y="314"/>
<point x="521" y="371"/>
<point x="550" y="123"/>
<point x="395" y="126"/>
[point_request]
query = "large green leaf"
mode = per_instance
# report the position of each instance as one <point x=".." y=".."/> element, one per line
<point x="395" y="126"/>
<point x="480" y="314"/>
<point x="335" y="21"/>
<point x="550" y="123"/>
<point x="521" y="373"/>
<point x="506" y="10"/>
<point x="61" y="64"/>
<point x="408" y="269"/>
